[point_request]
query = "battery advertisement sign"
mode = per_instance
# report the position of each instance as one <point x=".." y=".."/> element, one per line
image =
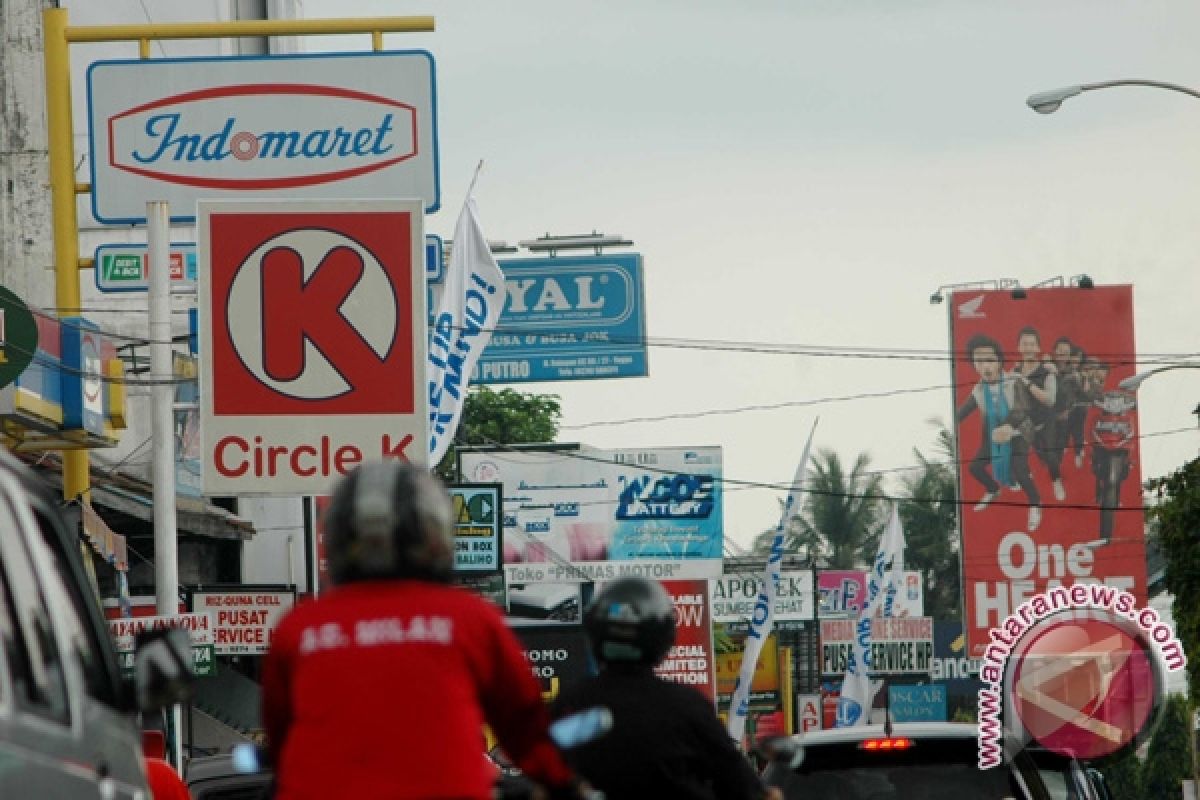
<point x="593" y="515"/>
<point x="1049" y="468"/>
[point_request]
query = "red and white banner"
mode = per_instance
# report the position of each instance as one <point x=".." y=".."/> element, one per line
<point x="1048" y="464"/>
<point x="690" y="660"/>
<point x="243" y="619"/>
<point x="312" y="326"/>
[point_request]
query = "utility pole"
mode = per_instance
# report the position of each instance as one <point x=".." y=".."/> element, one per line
<point x="26" y="246"/>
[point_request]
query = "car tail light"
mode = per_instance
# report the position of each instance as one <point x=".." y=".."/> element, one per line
<point x="887" y="744"/>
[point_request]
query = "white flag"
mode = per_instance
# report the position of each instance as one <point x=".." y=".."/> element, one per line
<point x="763" y="618"/>
<point x="472" y="298"/>
<point x="884" y="581"/>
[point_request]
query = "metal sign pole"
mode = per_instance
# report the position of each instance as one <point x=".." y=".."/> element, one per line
<point x="166" y="554"/>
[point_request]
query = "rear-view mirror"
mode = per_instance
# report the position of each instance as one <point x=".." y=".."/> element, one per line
<point x="162" y="668"/>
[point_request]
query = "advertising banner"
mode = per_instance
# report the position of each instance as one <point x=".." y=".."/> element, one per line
<point x="544" y="604"/>
<point x="303" y="306"/>
<point x="923" y="703"/>
<point x="764" y="688"/>
<point x="733" y="596"/>
<point x="843" y="592"/>
<point x="593" y="515"/>
<point x="199" y="628"/>
<point x="476" y="527"/>
<point x="690" y="659"/>
<point x="808" y="713"/>
<point x="243" y="618"/>
<point x="558" y="656"/>
<point x="1049" y="470"/>
<point x="568" y="318"/>
<point x="338" y="125"/>
<point x="898" y="644"/>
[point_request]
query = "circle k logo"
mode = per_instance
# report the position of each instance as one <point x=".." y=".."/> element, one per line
<point x="311" y="314"/>
<point x="1084" y="685"/>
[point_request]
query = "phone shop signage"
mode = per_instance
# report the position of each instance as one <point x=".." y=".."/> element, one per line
<point x="341" y="125"/>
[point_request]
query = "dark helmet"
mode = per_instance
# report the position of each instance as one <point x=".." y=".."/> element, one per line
<point x="631" y="620"/>
<point x="389" y="519"/>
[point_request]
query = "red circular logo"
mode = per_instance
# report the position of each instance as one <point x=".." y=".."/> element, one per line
<point x="1084" y="686"/>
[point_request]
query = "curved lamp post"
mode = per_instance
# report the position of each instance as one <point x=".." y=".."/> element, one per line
<point x="1132" y="383"/>
<point x="1049" y="102"/>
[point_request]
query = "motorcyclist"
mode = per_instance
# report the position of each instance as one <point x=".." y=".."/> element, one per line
<point x="666" y="740"/>
<point x="381" y="687"/>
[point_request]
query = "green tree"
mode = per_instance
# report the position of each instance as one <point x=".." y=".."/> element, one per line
<point x="840" y="521"/>
<point x="797" y="540"/>
<point x="504" y="417"/>
<point x="1169" y="759"/>
<point x="929" y="515"/>
<point x="1123" y="774"/>
<point x="1177" y="518"/>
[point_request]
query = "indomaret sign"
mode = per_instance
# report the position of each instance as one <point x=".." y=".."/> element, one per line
<point x="312" y="324"/>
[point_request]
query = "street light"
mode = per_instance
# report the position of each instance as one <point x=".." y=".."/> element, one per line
<point x="1050" y="101"/>
<point x="1132" y="383"/>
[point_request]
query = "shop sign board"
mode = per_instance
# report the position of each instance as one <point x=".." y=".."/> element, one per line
<point x="243" y="618"/>
<point x="734" y="596"/>
<point x="304" y="305"/>
<point x="477" y="517"/>
<point x="898" y="645"/>
<point x="199" y="628"/>
<point x="329" y="126"/>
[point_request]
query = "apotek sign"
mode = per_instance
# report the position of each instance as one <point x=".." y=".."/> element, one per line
<point x="332" y="126"/>
<point x="312" y="323"/>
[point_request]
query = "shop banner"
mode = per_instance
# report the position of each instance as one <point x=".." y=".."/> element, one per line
<point x="734" y="596"/>
<point x="588" y="514"/>
<point x="690" y="659"/>
<point x="243" y="618"/>
<point x="843" y="591"/>
<point x="923" y="703"/>
<point x="557" y="656"/>
<point x="898" y="644"/>
<point x="764" y="687"/>
<point x="1049" y="471"/>
<point x="199" y="628"/>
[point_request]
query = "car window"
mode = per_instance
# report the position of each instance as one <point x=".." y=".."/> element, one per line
<point x="85" y="644"/>
<point x="32" y="653"/>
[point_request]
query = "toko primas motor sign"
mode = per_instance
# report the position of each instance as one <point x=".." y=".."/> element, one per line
<point x="312" y="327"/>
<point x="347" y="125"/>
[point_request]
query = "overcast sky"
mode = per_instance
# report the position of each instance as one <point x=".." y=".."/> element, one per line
<point x="808" y="172"/>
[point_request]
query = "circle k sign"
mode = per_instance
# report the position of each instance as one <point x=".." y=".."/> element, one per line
<point x="313" y="343"/>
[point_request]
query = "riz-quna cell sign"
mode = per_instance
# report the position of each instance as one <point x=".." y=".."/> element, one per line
<point x="330" y="126"/>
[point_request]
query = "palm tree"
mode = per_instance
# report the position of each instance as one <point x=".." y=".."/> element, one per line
<point x="929" y="515"/>
<point x="839" y="524"/>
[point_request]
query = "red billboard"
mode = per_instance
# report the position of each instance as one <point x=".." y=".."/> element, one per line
<point x="1048" y="463"/>
<point x="690" y="659"/>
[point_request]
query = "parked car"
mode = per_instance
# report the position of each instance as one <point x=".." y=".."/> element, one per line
<point x="915" y="761"/>
<point x="67" y="725"/>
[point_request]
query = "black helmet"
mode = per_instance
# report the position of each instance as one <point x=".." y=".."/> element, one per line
<point x="631" y="620"/>
<point x="389" y="519"/>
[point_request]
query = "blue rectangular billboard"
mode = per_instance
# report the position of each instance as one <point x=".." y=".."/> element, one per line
<point x="568" y="318"/>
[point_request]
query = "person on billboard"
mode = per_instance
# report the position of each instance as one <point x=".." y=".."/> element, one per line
<point x="1069" y="402"/>
<point x="1039" y="378"/>
<point x="381" y="687"/>
<point x="1003" y="455"/>
<point x="666" y="740"/>
<point x="1113" y="431"/>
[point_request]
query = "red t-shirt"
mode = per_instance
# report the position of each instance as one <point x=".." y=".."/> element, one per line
<point x="381" y="689"/>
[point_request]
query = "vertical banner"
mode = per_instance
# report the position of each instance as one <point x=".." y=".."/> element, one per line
<point x="690" y="659"/>
<point x="763" y="618"/>
<point x="1048" y="465"/>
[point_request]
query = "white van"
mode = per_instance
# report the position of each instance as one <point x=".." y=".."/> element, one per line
<point x="66" y="717"/>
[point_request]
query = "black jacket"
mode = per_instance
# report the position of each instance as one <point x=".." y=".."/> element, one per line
<point x="666" y="741"/>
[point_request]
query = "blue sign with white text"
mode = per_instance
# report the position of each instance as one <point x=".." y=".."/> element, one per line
<point x="922" y="703"/>
<point x="568" y="318"/>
